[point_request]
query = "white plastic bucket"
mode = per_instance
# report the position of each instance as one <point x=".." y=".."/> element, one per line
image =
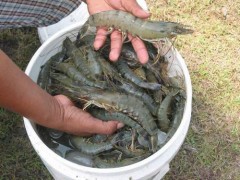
<point x="153" y="167"/>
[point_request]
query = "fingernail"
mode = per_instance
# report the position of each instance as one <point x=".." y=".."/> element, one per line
<point x="120" y="125"/>
<point x="113" y="56"/>
<point x="96" y="46"/>
<point x="144" y="61"/>
<point x="146" y="10"/>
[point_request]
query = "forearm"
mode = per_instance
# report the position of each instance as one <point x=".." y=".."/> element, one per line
<point x="20" y="94"/>
<point x="34" y="13"/>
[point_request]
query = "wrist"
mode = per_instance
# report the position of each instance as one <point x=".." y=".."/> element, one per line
<point x="55" y="116"/>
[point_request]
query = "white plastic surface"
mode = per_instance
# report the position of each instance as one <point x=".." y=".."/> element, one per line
<point x="80" y="16"/>
<point x="150" y="168"/>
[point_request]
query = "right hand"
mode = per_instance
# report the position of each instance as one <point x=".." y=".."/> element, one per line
<point x="131" y="6"/>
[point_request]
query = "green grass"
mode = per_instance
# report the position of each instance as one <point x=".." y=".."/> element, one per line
<point x="18" y="158"/>
<point x="212" y="55"/>
<point x="212" y="147"/>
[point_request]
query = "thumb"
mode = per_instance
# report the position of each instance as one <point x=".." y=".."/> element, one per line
<point x="80" y="122"/>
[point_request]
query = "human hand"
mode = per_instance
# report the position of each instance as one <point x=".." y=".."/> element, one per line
<point x="79" y="122"/>
<point x="96" y="6"/>
<point x="56" y="112"/>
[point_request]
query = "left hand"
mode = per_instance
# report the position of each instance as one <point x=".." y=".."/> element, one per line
<point x="79" y="122"/>
<point x="131" y="6"/>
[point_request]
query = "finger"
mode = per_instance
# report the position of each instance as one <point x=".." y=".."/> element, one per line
<point x="97" y="126"/>
<point x="100" y="38"/>
<point x="133" y="7"/>
<point x="116" y="45"/>
<point x="107" y="127"/>
<point x="139" y="48"/>
<point x="63" y="100"/>
<point x="88" y="124"/>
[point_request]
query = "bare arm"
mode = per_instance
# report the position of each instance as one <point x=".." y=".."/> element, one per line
<point x="20" y="94"/>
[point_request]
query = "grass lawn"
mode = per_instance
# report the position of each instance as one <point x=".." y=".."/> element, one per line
<point x="212" y="147"/>
<point x="18" y="158"/>
<point x="212" y="53"/>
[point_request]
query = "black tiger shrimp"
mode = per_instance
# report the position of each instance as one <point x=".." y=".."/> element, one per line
<point x="93" y="62"/>
<point x="144" y="29"/>
<point x="105" y="115"/>
<point x="126" y="72"/>
<point x="163" y="120"/>
<point x="138" y="92"/>
<point x="150" y="31"/>
<point x="44" y="74"/>
<point x="90" y="148"/>
<point x="70" y="70"/>
<point x="78" y="57"/>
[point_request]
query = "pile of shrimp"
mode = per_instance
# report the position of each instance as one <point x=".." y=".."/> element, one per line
<point x="143" y="97"/>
